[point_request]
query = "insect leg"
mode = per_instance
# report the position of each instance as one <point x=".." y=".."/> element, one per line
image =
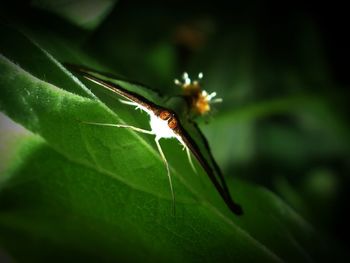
<point x="119" y="126"/>
<point x="131" y="103"/>
<point x="168" y="172"/>
<point x="127" y="102"/>
<point x="188" y="153"/>
<point x="134" y="128"/>
<point x="190" y="159"/>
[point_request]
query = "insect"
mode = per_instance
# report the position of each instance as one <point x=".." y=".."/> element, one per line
<point x="166" y="123"/>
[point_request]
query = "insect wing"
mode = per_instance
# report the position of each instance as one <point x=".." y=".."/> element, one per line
<point x="199" y="147"/>
<point x="129" y="90"/>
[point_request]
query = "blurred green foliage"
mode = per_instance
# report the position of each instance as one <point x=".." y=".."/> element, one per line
<point x="283" y="125"/>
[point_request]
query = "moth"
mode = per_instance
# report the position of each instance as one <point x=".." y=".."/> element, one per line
<point x="166" y="121"/>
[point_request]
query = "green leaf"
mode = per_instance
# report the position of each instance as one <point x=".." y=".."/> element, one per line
<point x="89" y="192"/>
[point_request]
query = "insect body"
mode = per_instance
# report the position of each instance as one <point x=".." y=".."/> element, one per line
<point x="165" y="124"/>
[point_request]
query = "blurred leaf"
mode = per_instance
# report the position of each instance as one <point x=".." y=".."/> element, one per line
<point x="98" y="193"/>
<point x="11" y="136"/>
<point x="237" y="126"/>
<point x="87" y="14"/>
